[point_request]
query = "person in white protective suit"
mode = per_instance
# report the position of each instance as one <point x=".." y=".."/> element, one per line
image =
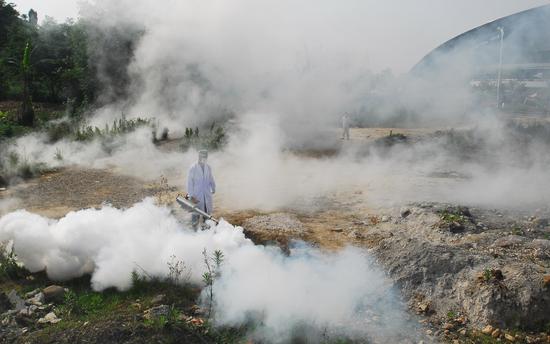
<point x="345" y="127"/>
<point x="201" y="186"/>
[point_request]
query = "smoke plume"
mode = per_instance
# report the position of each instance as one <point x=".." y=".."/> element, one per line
<point x="343" y="294"/>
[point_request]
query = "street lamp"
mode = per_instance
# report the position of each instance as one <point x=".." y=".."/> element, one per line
<point x="500" y="65"/>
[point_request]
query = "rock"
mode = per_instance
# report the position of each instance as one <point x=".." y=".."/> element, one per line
<point x="541" y="244"/>
<point x="423" y="307"/>
<point x="156" y="312"/>
<point x="5" y="303"/>
<point x="488" y="329"/>
<point x="463" y="332"/>
<point x="158" y="299"/>
<point x="53" y="293"/>
<point x="546" y="280"/>
<point x="496" y="333"/>
<point x="405" y="212"/>
<point x="448" y="326"/>
<point x="541" y="223"/>
<point x="356" y="235"/>
<point x="510" y="240"/>
<point x="509" y="337"/>
<point x="28" y="311"/>
<point x="385" y="218"/>
<point x="37" y="300"/>
<point x="50" y="318"/>
<point x="17" y="303"/>
<point x="273" y="224"/>
<point x="456" y="227"/>
<point x="32" y="293"/>
<point x="498" y="275"/>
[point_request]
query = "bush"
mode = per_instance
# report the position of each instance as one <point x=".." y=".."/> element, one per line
<point x="119" y="127"/>
<point x="213" y="139"/>
<point x="10" y="269"/>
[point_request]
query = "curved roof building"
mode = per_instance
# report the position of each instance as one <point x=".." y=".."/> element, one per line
<point x="475" y="54"/>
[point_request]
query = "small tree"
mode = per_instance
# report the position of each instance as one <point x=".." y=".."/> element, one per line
<point x="26" y="116"/>
<point x="213" y="265"/>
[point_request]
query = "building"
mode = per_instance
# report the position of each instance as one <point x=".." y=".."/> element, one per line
<point x="514" y="50"/>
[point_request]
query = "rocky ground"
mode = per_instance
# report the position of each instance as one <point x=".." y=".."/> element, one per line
<point x="472" y="274"/>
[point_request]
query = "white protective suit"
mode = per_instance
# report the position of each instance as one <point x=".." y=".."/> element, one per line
<point x="201" y="185"/>
<point x="345" y="127"/>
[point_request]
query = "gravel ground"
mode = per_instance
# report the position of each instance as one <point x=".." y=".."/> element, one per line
<point x="57" y="193"/>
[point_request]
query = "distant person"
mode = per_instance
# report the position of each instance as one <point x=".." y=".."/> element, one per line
<point x="201" y="186"/>
<point x="345" y="127"/>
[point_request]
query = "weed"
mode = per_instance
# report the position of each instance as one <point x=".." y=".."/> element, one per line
<point x="58" y="155"/>
<point x="119" y="127"/>
<point x="451" y="315"/>
<point x="213" y="139"/>
<point x="58" y="131"/>
<point x="83" y="304"/>
<point x="13" y="158"/>
<point x="171" y="319"/>
<point x="178" y="272"/>
<point x="165" y="193"/>
<point x="212" y="264"/>
<point x="449" y="217"/>
<point x="487" y="275"/>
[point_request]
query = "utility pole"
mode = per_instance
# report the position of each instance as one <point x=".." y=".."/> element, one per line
<point x="500" y="66"/>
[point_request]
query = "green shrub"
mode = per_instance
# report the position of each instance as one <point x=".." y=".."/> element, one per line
<point x="213" y="139"/>
<point x="119" y="127"/>
<point x="10" y="269"/>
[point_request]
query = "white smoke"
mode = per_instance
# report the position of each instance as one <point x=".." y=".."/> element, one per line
<point x="343" y="293"/>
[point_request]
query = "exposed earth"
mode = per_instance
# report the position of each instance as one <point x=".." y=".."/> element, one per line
<point x="471" y="274"/>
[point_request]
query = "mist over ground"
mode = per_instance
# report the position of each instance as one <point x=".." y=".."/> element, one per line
<point x="283" y="83"/>
<point x="277" y="77"/>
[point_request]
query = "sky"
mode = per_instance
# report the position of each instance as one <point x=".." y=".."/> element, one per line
<point x="402" y="32"/>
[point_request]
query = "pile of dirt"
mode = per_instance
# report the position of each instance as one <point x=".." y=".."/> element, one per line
<point x="489" y="266"/>
<point x="279" y="228"/>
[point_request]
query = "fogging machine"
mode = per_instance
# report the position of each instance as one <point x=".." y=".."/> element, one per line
<point x="188" y="205"/>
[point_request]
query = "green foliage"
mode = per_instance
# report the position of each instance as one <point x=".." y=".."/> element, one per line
<point x="213" y="139"/>
<point x="447" y="216"/>
<point x="213" y="264"/>
<point x="516" y="230"/>
<point x="487" y="275"/>
<point x="86" y="303"/>
<point x="119" y="127"/>
<point x="20" y="167"/>
<point x="9" y="128"/>
<point x="455" y="214"/>
<point x="451" y="315"/>
<point x="10" y="269"/>
<point x="26" y="63"/>
<point x="172" y="319"/>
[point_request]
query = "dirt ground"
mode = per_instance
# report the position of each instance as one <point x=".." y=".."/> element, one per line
<point x="410" y="242"/>
<point x="57" y="193"/>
